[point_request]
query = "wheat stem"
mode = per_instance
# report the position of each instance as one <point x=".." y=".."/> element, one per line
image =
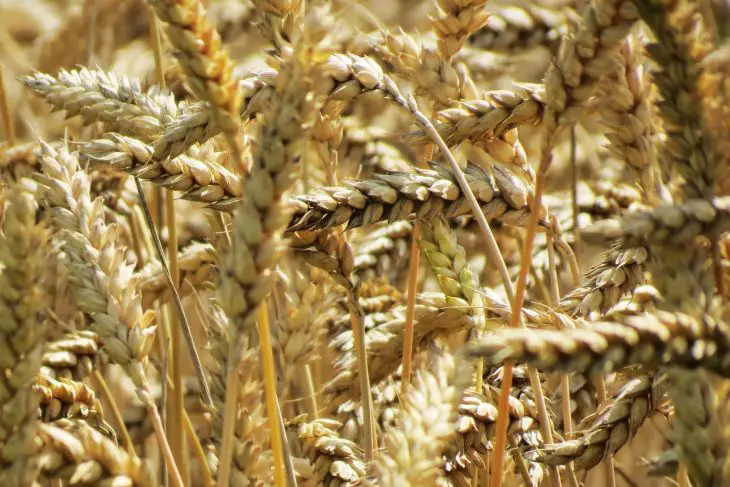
<point x="229" y="416"/>
<point x="410" y="309"/>
<point x="5" y="111"/>
<point x="156" y="421"/>
<point x="311" y="392"/>
<point x="197" y="446"/>
<point x="267" y="359"/>
<point x="176" y="403"/>
<point x="358" y="329"/>
<point x="199" y="452"/>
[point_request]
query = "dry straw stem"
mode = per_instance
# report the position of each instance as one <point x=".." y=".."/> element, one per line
<point x="99" y="96"/>
<point x="655" y="339"/>
<point x="701" y="425"/>
<point x="513" y="29"/>
<point x="455" y="21"/>
<point x="682" y="44"/>
<point x="5" y="112"/>
<point x="413" y="451"/>
<point x="336" y="461"/>
<point x="83" y="456"/>
<point x="429" y="192"/>
<point x="247" y="269"/>
<point x="674" y="225"/>
<point x="613" y="426"/>
<point x="22" y="253"/>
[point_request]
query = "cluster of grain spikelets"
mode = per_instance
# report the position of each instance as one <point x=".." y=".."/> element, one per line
<point x="279" y="242"/>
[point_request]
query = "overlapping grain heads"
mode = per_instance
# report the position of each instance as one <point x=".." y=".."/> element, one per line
<point x="312" y="309"/>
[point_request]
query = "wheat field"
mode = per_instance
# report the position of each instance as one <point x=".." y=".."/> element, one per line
<point x="455" y="243"/>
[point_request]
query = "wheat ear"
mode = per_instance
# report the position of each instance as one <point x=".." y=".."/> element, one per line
<point x="683" y="43"/>
<point x="105" y="287"/>
<point x="413" y="452"/>
<point x="248" y="270"/>
<point x="22" y="255"/>
<point x="206" y="63"/>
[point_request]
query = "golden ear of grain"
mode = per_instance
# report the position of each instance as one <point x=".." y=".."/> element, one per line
<point x="70" y="400"/>
<point x="79" y="454"/>
<point x="677" y="224"/>
<point x="22" y="255"/>
<point x="334" y="459"/>
<point x="449" y="265"/>
<point x="104" y="284"/>
<point x="683" y="43"/>
<point x="206" y="63"/>
<point x="198" y="179"/>
<point x="397" y="196"/>
<point x="660" y="338"/>
<point x="413" y="451"/>
<point x="615" y="425"/>
<point x="98" y="96"/>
